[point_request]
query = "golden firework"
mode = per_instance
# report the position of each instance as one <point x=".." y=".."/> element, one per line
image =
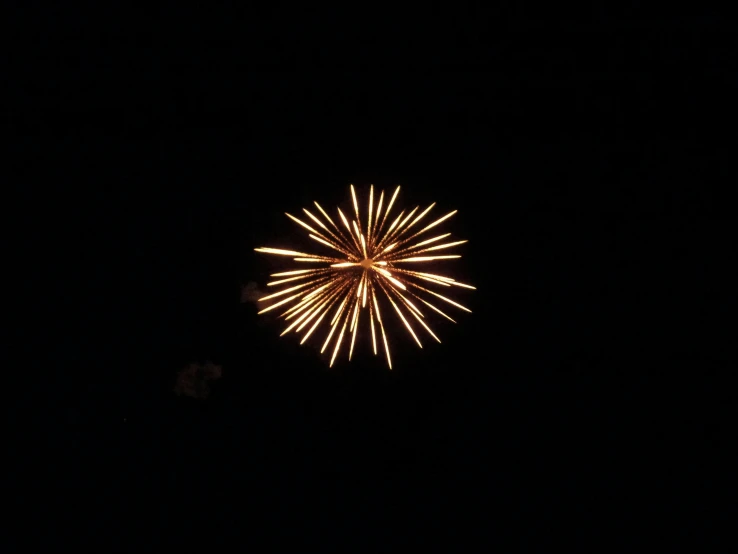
<point x="371" y="264"/>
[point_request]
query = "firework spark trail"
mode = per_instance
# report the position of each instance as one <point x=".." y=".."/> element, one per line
<point x="371" y="260"/>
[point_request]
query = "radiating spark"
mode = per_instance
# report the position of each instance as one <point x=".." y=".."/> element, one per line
<point x="367" y="261"/>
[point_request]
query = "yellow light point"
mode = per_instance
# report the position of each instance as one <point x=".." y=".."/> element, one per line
<point x="362" y="260"/>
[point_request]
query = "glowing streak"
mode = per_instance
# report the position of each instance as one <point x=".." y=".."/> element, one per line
<point x="280" y="303"/>
<point x="285" y="273"/>
<point x="447" y="245"/>
<point x="431" y="306"/>
<point x="328" y="339"/>
<point x="356" y="204"/>
<point x="438" y="221"/>
<point x="339" y="310"/>
<point x="310" y="274"/>
<point x="338" y="342"/>
<point x="316" y="220"/>
<point x="281" y="252"/>
<point x="315" y="325"/>
<point x="399" y="312"/>
<point x="325" y="215"/>
<point x="344" y="264"/>
<point x="369" y="217"/>
<point x="346" y="223"/>
<point x="355" y="325"/>
<point x="434" y="239"/>
<point x="449" y="301"/>
<point x="376" y="217"/>
<point x="323" y="307"/>
<point x="285" y="291"/>
<point x="426" y="258"/>
<point x="381" y="327"/>
<point x="339" y="240"/>
<point x="388" y="275"/>
<point x="302" y="223"/>
<point x="371" y="320"/>
<point x="328" y="244"/>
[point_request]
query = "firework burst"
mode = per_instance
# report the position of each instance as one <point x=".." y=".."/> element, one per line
<point x="374" y="262"/>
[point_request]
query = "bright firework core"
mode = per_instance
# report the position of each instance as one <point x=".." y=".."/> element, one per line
<point x="381" y="252"/>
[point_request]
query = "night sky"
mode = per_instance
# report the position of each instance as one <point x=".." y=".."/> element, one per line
<point x="584" y="402"/>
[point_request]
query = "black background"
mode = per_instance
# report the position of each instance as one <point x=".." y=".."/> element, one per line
<point x="585" y="399"/>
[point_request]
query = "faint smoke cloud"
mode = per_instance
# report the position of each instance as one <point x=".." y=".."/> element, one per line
<point x="194" y="380"/>
<point x="251" y="292"/>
